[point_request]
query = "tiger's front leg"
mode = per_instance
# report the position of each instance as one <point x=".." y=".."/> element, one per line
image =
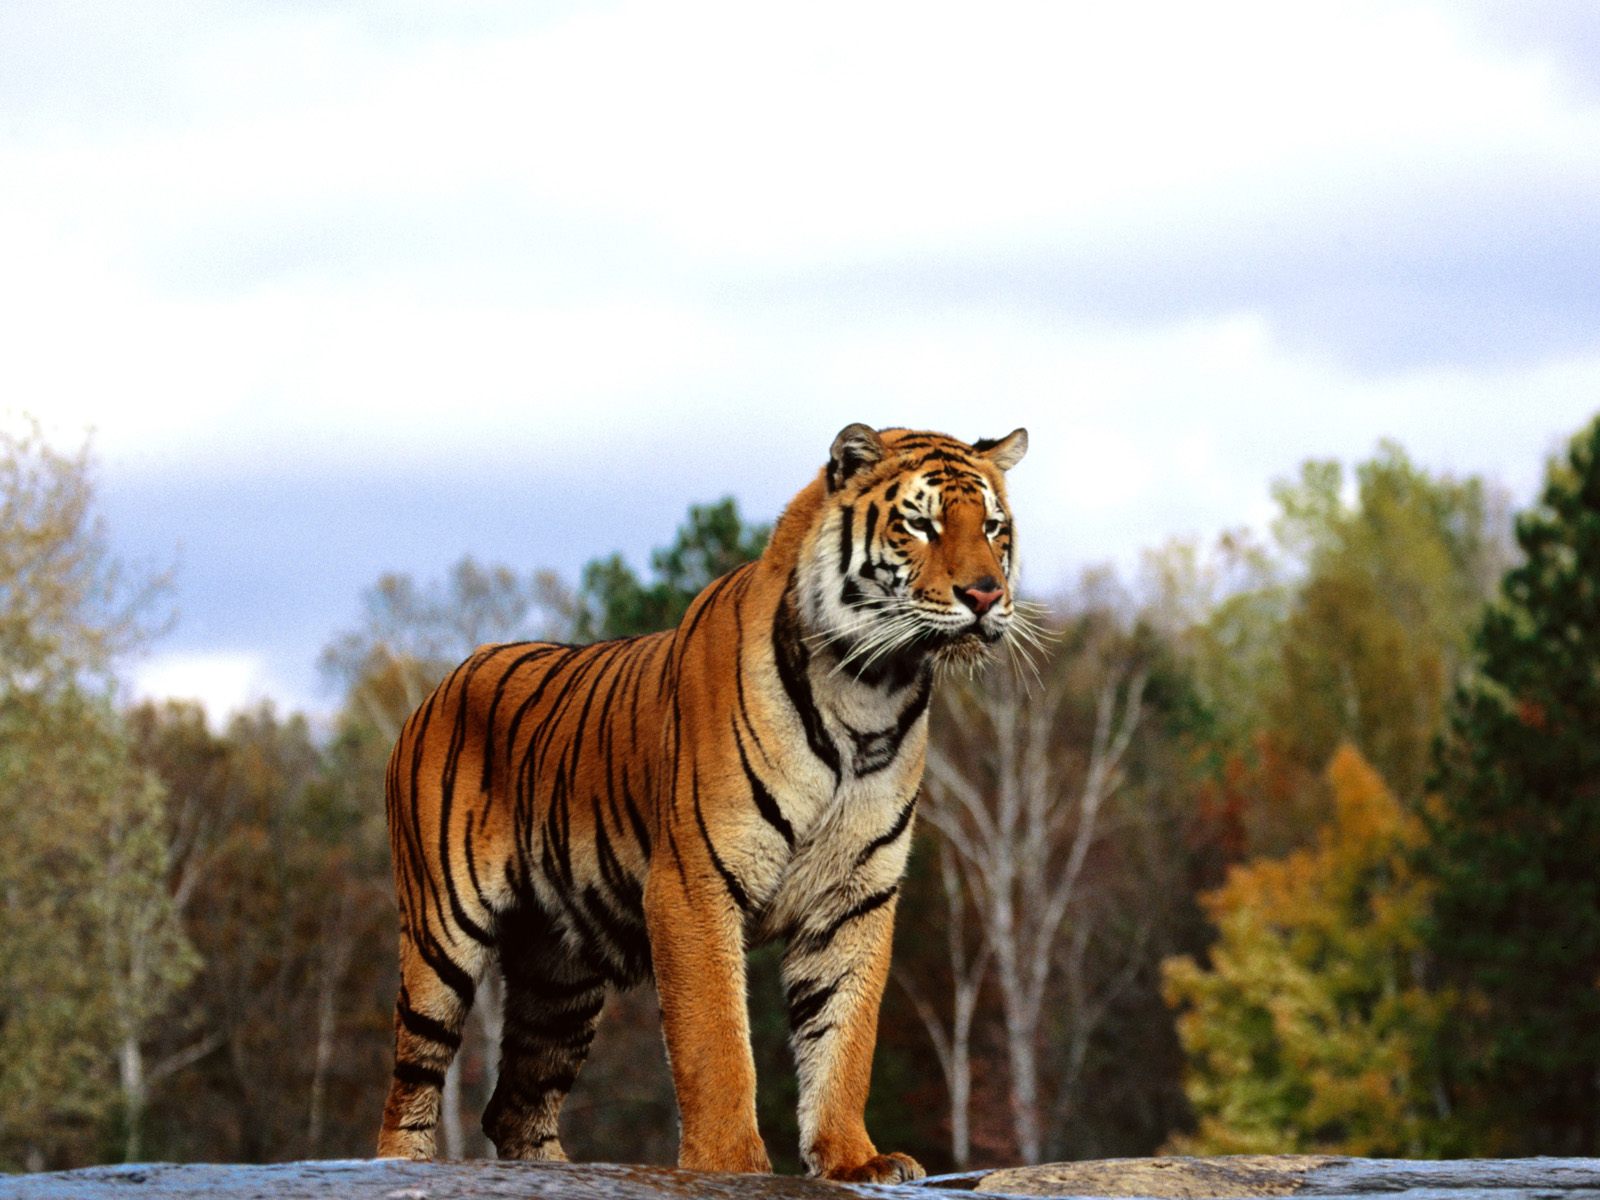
<point x="697" y="950"/>
<point x="834" y="972"/>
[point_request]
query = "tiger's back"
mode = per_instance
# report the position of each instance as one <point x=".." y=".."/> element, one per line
<point x="589" y="816"/>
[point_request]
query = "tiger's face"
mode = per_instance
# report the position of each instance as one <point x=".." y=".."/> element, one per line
<point x="924" y="557"/>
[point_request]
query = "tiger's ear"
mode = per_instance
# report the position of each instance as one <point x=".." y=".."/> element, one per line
<point x="856" y="446"/>
<point x="1005" y="452"/>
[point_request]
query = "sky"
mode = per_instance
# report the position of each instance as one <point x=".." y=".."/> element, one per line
<point x="339" y="289"/>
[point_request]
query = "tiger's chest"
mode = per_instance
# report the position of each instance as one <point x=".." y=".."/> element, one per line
<point x="850" y="812"/>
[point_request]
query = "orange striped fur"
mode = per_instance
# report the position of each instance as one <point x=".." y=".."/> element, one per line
<point x="589" y="816"/>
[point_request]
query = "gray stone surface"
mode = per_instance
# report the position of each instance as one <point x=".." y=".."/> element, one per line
<point x="1132" y="1179"/>
<point x="364" y="1179"/>
<point x="1240" y="1176"/>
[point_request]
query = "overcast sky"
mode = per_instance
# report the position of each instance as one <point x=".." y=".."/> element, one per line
<point x="350" y="287"/>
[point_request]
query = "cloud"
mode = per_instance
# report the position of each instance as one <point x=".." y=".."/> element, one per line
<point x="355" y="288"/>
<point x="222" y="682"/>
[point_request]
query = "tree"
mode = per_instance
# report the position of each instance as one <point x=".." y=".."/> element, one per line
<point x="68" y="609"/>
<point x="1019" y="787"/>
<point x="1379" y="629"/>
<point x="1312" y="1029"/>
<point x="1516" y="838"/>
<point x="1353" y="625"/>
<point x="285" y="888"/>
<point x="91" y="952"/>
<point x="614" y="602"/>
<point x="412" y="635"/>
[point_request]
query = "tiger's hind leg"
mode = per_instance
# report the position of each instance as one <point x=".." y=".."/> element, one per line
<point x="553" y="1002"/>
<point x="436" y="990"/>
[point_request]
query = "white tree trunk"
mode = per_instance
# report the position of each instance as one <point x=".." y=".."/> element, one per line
<point x="489" y="1009"/>
<point x="1022" y="821"/>
<point x="450" y="1110"/>
<point x="135" y="1096"/>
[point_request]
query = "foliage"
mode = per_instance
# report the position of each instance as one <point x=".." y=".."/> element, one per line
<point x="91" y="953"/>
<point x="412" y="635"/>
<point x="1379" y="628"/>
<point x="1311" y="1030"/>
<point x="286" y="890"/>
<point x="1032" y="931"/>
<point x="1517" y="837"/>
<point x="1351" y="627"/>
<point x="614" y="602"/>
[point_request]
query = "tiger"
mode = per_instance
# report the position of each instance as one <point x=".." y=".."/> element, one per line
<point x="591" y="816"/>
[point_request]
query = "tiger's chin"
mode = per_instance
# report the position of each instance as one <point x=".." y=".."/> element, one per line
<point x="963" y="650"/>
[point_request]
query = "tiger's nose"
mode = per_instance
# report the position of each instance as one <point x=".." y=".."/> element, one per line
<point x="980" y="596"/>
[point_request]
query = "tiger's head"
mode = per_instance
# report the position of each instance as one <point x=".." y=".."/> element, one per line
<point x="915" y="554"/>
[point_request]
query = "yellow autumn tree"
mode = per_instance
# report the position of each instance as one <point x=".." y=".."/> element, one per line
<point x="1311" y="1030"/>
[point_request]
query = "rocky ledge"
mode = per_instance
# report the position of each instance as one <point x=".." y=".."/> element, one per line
<point x="1131" y="1179"/>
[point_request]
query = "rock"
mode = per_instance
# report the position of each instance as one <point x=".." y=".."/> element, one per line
<point x="392" y="1179"/>
<point x="1305" y="1175"/>
<point x="1132" y="1179"/>
<point x="1190" y="1178"/>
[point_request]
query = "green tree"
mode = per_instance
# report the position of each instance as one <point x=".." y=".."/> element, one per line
<point x="1352" y="625"/>
<point x="1312" y="1030"/>
<point x="91" y="952"/>
<point x="1516" y="839"/>
<point x="1378" y="632"/>
<point x="614" y="602"/>
<point x="284" y="877"/>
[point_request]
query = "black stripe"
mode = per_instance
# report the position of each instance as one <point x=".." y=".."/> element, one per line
<point x="450" y="973"/>
<point x="416" y="840"/>
<point x="425" y="1027"/>
<point x="624" y="887"/>
<point x="418" y="1075"/>
<point x="789" y="653"/>
<point x="876" y="749"/>
<point x="530" y="1033"/>
<point x="704" y="602"/>
<point x="766" y="805"/>
<point x="536" y="652"/>
<point x="738" y="675"/>
<point x="527" y="1095"/>
<point x="631" y="806"/>
<point x="893" y="834"/>
<point x="629" y="943"/>
<point x="810" y="943"/>
<point x="461" y="679"/>
<point x="872" y="527"/>
<point x="846" y="524"/>
<point x="729" y="879"/>
<point x="807" y="1003"/>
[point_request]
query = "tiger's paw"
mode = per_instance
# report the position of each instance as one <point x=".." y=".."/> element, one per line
<point x="746" y="1156"/>
<point x="880" y="1168"/>
<point x="410" y="1145"/>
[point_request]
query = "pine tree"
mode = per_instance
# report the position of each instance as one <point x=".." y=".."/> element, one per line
<point x="1515" y="842"/>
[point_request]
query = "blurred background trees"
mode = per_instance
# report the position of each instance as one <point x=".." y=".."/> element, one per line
<point x="1288" y="845"/>
<point x="1515" y="836"/>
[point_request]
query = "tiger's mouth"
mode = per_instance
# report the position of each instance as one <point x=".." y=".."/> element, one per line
<point x="962" y="648"/>
<point x="967" y="646"/>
